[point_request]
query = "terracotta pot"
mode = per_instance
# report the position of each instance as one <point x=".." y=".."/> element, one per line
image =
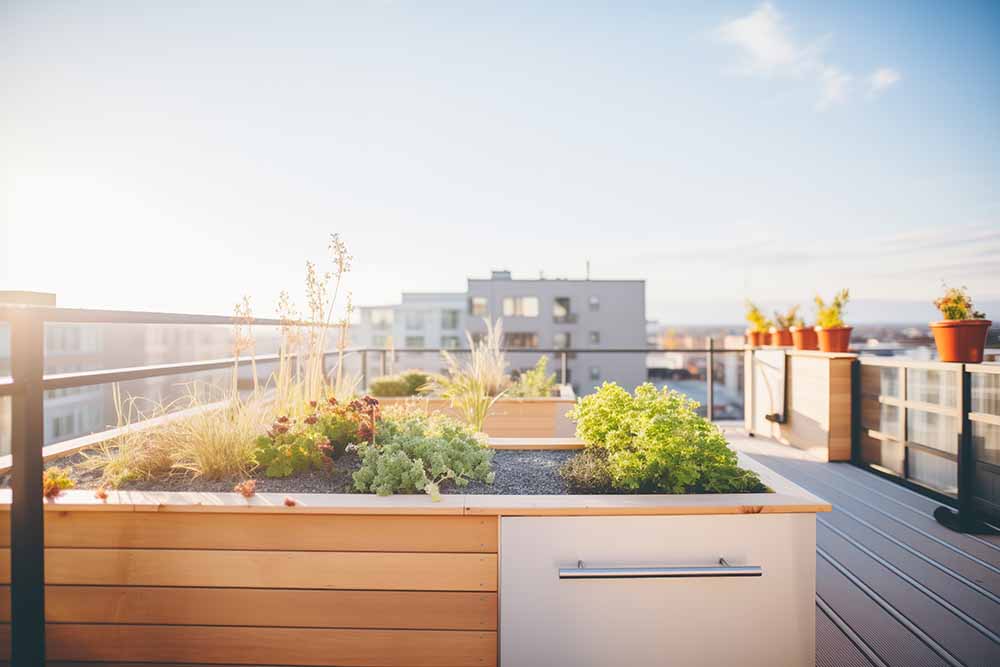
<point x="753" y="338"/>
<point x="835" y="339"/>
<point x="804" y="338"/>
<point x="765" y="337"/>
<point x="961" y="340"/>
<point x="781" y="338"/>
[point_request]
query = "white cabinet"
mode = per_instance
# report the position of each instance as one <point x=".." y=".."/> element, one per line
<point x="646" y="614"/>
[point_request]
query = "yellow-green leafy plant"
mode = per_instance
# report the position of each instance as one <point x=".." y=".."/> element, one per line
<point x="788" y="319"/>
<point x="831" y="316"/>
<point x="758" y="322"/>
<point x="956" y="304"/>
<point x="407" y="383"/>
<point x="473" y="386"/>
<point x="655" y="442"/>
<point x="536" y="382"/>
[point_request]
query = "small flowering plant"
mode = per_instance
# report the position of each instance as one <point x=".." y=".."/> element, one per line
<point x="957" y="305"/>
<point x="292" y="447"/>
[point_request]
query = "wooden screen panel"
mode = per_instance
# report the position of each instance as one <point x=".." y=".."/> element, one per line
<point x="273" y="646"/>
<point x="273" y="569"/>
<point x="283" y="532"/>
<point x="427" y="610"/>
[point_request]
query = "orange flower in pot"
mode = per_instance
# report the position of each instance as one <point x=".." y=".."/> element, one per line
<point x="830" y="330"/>
<point x="961" y="335"/>
<point x="757" y="334"/>
<point x="781" y="332"/>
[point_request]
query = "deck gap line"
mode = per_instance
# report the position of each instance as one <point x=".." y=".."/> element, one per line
<point x="913" y="582"/>
<point x="892" y="611"/>
<point x="909" y="525"/>
<point x="849" y="632"/>
<point x="847" y="478"/>
<point x="940" y="566"/>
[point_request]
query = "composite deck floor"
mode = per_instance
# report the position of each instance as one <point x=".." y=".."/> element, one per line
<point x="893" y="587"/>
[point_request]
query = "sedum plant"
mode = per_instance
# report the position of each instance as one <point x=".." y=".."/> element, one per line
<point x="956" y="304"/>
<point x="831" y="316"/>
<point x="655" y="442"/>
<point x="413" y="453"/>
<point x="534" y="383"/>
<point x="56" y="480"/>
<point x="756" y="319"/>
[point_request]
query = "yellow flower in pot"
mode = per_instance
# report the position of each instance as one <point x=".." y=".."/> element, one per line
<point x="833" y="335"/>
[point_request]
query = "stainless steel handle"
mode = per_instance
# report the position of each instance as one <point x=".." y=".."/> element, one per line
<point x="723" y="569"/>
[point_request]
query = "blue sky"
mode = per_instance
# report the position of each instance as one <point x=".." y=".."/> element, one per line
<point x="180" y="156"/>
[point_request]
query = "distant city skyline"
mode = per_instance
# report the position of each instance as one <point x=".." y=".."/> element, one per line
<point x="740" y="150"/>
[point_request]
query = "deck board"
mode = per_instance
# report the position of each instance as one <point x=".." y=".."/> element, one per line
<point x="894" y="587"/>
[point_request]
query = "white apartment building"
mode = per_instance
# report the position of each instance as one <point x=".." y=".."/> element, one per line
<point x="540" y="314"/>
<point x="586" y="316"/>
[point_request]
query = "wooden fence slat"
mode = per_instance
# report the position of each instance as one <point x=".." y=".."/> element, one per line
<point x="291" y="532"/>
<point x="273" y="569"/>
<point x="272" y="646"/>
<point x="419" y="610"/>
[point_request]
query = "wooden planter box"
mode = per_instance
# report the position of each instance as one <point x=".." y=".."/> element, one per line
<point x="357" y="580"/>
<point x="812" y="390"/>
<point x="510" y="417"/>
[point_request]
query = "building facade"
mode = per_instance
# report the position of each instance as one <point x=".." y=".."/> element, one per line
<point x="587" y="316"/>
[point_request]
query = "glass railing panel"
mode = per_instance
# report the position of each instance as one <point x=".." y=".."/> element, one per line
<point x="933" y="430"/>
<point x="986" y="393"/>
<point x="986" y="441"/>
<point x="933" y="471"/>
<point x="938" y="387"/>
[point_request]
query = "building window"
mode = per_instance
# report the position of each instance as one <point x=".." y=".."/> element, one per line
<point x="520" y="306"/>
<point x="449" y="319"/>
<point x="414" y="319"/>
<point x="595" y="373"/>
<point x="380" y="341"/>
<point x="450" y="342"/>
<point x="561" y="311"/>
<point x="381" y="318"/>
<point x="595" y="337"/>
<point x="561" y="340"/>
<point x="415" y="341"/>
<point x="594" y="303"/>
<point x="516" y="339"/>
<point x="63" y="425"/>
<point x="478" y="306"/>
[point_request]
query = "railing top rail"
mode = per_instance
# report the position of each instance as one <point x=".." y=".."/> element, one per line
<point x="55" y="314"/>
<point x="989" y="367"/>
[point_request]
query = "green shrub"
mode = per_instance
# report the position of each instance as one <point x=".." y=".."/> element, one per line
<point x="414" y="453"/>
<point x="534" y="383"/>
<point x="655" y="442"/>
<point x="588" y="471"/>
<point x="409" y="383"/>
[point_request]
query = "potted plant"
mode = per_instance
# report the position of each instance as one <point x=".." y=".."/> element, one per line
<point x="961" y="335"/>
<point x="759" y="331"/>
<point x="833" y="335"/>
<point x="803" y="337"/>
<point x="781" y="333"/>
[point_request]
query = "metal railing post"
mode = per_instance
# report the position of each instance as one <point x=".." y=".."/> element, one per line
<point x="364" y="370"/>
<point x="710" y="364"/>
<point x="381" y="363"/>
<point x="856" y="412"/>
<point x="27" y="534"/>
<point x="562" y="367"/>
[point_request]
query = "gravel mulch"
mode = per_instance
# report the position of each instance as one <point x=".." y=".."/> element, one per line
<point x="517" y="472"/>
